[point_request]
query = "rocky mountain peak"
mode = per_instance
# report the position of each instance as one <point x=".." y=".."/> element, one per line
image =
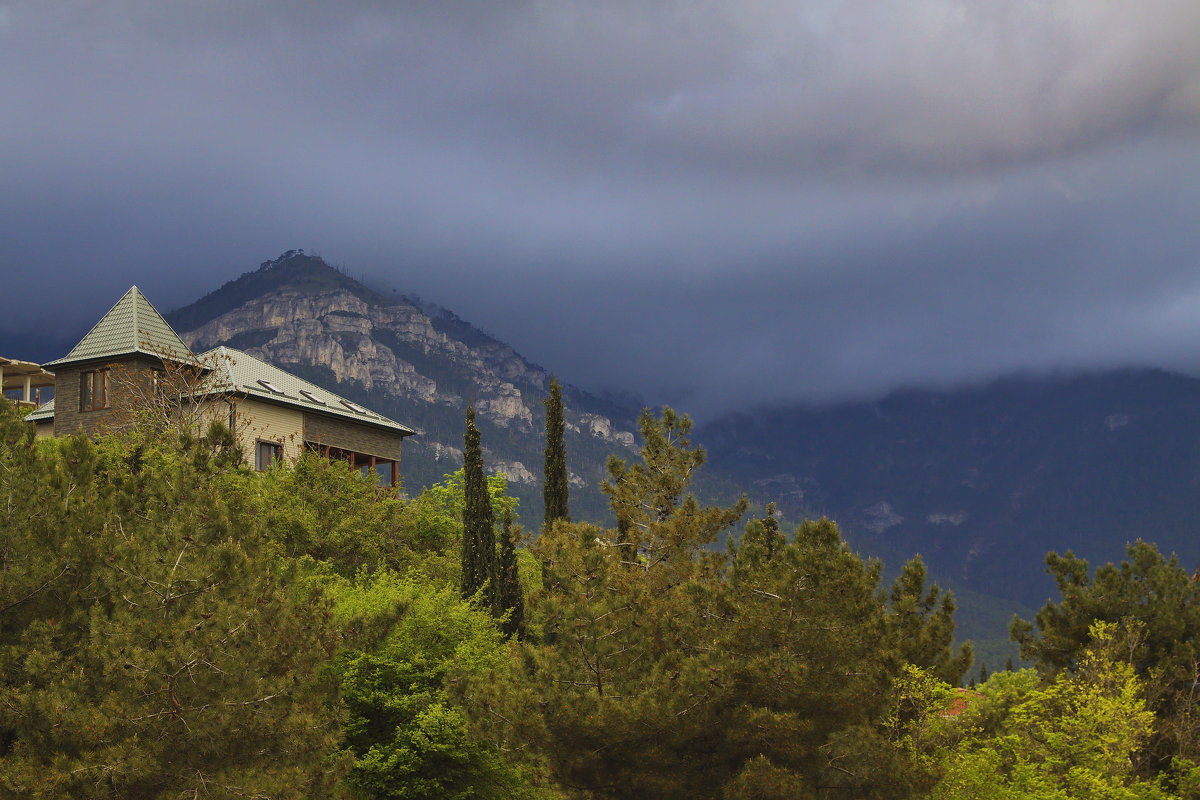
<point x="414" y="361"/>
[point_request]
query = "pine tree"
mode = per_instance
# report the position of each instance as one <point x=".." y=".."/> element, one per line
<point x="152" y="641"/>
<point x="479" y="537"/>
<point x="762" y="538"/>
<point x="556" y="489"/>
<point x="921" y="625"/>
<point x="511" y="599"/>
<point x="1156" y="600"/>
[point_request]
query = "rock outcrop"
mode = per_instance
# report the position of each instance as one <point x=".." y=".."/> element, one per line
<point x="415" y="362"/>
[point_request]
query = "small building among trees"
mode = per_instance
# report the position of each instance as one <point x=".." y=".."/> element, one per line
<point x="132" y="368"/>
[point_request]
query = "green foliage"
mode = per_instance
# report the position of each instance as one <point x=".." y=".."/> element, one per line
<point x="479" y="536"/>
<point x="1074" y="737"/>
<point x="556" y="490"/>
<point x="152" y="641"/>
<point x="761" y="540"/>
<point x="407" y="737"/>
<point x="921" y="625"/>
<point x="161" y="606"/>
<point x="806" y="640"/>
<point x="665" y="669"/>
<point x="647" y="492"/>
<point x="1157" y="605"/>
<point x="324" y="509"/>
<point x="510" y="595"/>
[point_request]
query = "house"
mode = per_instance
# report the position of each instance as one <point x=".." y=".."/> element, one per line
<point x="22" y="381"/>
<point x="132" y="363"/>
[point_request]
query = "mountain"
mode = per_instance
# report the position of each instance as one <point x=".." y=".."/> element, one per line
<point x="983" y="481"/>
<point x="418" y="364"/>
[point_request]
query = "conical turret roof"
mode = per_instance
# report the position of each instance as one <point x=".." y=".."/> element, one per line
<point x="130" y="327"/>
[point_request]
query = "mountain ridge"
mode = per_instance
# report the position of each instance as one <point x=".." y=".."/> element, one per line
<point x="981" y="480"/>
<point x="414" y="361"/>
<point x="984" y="480"/>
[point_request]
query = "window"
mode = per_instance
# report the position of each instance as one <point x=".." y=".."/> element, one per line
<point x="266" y="454"/>
<point x="270" y="387"/>
<point x="310" y="396"/>
<point x="93" y="390"/>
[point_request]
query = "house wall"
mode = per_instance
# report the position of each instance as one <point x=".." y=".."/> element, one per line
<point x="129" y="378"/>
<point x="348" y="435"/>
<point x="266" y="422"/>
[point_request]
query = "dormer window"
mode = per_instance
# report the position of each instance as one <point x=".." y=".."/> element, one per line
<point x="270" y="387"/>
<point x="312" y="397"/>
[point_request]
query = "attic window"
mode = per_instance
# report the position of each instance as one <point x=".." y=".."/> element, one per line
<point x="353" y="407"/>
<point x="270" y="387"/>
<point x="310" y="396"/>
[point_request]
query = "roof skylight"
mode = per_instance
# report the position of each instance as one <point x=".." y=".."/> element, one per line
<point x="270" y="387"/>
<point x="310" y="396"/>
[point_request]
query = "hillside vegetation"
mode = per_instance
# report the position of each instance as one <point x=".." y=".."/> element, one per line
<point x="175" y="625"/>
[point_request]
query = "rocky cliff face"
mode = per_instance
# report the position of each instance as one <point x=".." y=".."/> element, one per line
<point x="416" y="363"/>
<point x="343" y="332"/>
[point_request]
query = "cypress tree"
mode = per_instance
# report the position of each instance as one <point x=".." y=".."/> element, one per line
<point x="556" y="490"/>
<point x="510" y="596"/>
<point x="479" y="537"/>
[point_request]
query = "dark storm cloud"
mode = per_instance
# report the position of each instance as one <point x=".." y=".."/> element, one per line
<point x="713" y="203"/>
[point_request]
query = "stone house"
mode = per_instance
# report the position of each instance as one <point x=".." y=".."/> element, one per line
<point x="132" y="364"/>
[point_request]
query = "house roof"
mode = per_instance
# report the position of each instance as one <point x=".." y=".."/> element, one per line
<point x="15" y="372"/>
<point x="241" y="373"/>
<point x="134" y="326"/>
<point x="44" y="413"/>
<point x="131" y="326"/>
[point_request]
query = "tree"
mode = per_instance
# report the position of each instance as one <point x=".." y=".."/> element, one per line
<point x="1156" y="603"/>
<point x="644" y="493"/>
<point x="479" y="536"/>
<point x="152" y="641"/>
<point x="556" y="488"/>
<point x="806" y="646"/>
<point x="1077" y="735"/>
<point x="762" y="538"/>
<point x="683" y="672"/>
<point x="607" y="676"/>
<point x="405" y="640"/>
<point x="921" y="624"/>
<point x="324" y="509"/>
<point x="511" y="597"/>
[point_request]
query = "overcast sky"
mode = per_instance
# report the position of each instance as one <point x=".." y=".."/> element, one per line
<point x="711" y="203"/>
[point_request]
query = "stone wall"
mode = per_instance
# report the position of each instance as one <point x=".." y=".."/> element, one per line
<point x="347" y="435"/>
<point x="128" y="380"/>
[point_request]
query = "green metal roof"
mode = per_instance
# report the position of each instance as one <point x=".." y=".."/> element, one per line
<point x="131" y="326"/>
<point x="241" y="373"/>
<point x="134" y="326"/>
<point x="43" y="413"/>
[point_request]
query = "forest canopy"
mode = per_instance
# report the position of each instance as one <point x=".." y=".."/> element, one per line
<point x="173" y="624"/>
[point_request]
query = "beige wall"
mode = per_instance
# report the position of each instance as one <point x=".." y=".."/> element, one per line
<point x="258" y="421"/>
